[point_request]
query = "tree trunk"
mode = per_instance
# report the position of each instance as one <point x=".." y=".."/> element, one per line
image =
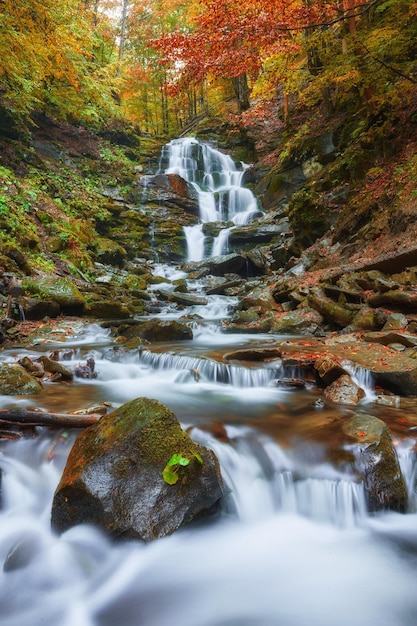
<point x="241" y="88"/>
<point x="122" y="37"/>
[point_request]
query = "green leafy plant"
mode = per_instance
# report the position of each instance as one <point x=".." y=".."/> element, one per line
<point x="175" y="463"/>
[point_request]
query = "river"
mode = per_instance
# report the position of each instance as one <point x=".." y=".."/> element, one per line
<point x="293" y="544"/>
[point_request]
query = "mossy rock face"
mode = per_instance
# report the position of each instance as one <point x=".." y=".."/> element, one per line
<point x="309" y="217"/>
<point x="107" y="309"/>
<point x="114" y="475"/>
<point x="159" y="330"/>
<point x="55" y="288"/>
<point x="110" y="252"/>
<point x="377" y="463"/>
<point x="15" y="381"/>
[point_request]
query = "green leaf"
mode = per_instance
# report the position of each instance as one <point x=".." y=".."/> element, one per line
<point x="174" y="460"/>
<point x="169" y="476"/>
<point x="183" y="461"/>
<point x="198" y="457"/>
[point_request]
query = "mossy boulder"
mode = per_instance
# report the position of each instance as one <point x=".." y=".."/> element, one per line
<point x="110" y="252"/>
<point x="58" y="289"/>
<point x="158" y="330"/>
<point x="15" y="381"/>
<point x="329" y="309"/>
<point x="114" y="475"/>
<point x="377" y="463"/>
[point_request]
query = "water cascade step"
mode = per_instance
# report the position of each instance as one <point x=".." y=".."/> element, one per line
<point x="218" y="182"/>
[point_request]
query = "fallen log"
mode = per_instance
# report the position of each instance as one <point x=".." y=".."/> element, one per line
<point x="28" y="419"/>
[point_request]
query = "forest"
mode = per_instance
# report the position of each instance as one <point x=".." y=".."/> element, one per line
<point x="161" y="64"/>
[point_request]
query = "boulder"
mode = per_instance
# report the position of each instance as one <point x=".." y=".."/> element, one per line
<point x="35" y="309"/>
<point x="404" y="300"/>
<point x="376" y="462"/>
<point x="302" y="321"/>
<point x="228" y="263"/>
<point x="330" y="310"/>
<point x="58" y="289"/>
<point x="115" y="476"/>
<point x="187" y="299"/>
<point x="343" y="391"/>
<point x="158" y="330"/>
<point x="15" y="381"/>
<point x="328" y="369"/>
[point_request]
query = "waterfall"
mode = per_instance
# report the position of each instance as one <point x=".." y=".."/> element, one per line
<point x="218" y="182"/>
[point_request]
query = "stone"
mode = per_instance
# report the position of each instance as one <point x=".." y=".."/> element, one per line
<point x="377" y="463"/>
<point x="169" y="190"/>
<point x="158" y="330"/>
<point x="61" y="290"/>
<point x="343" y="391"/>
<point x="329" y="309"/>
<point x="15" y="381"/>
<point x="328" y="369"/>
<point x="113" y="478"/>
<point x="35" y="309"/>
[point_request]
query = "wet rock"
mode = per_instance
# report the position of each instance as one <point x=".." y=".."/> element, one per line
<point x="35" y="309"/>
<point x="110" y="252"/>
<point x="187" y="299"/>
<point x="61" y="290"/>
<point x="377" y="463"/>
<point x="158" y="330"/>
<point x="107" y="309"/>
<point x="169" y="190"/>
<point x="343" y="391"/>
<point x="114" y="475"/>
<point x="220" y="289"/>
<point x="388" y="337"/>
<point x="405" y="300"/>
<point x="330" y="310"/>
<point x="368" y="319"/>
<point x="302" y="321"/>
<point x="228" y="263"/>
<point x="395" y="321"/>
<point x="255" y="234"/>
<point x="260" y="298"/>
<point x="53" y="367"/>
<point x="15" y="381"/>
<point x="328" y="369"/>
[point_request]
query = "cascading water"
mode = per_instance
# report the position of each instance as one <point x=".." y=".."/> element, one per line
<point x="218" y="182"/>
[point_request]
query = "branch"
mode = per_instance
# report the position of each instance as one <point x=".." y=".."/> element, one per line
<point x="26" y="419"/>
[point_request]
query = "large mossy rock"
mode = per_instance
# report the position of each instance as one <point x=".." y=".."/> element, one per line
<point x="15" y="381"/>
<point x="377" y="463"/>
<point x="114" y="475"/>
<point x="60" y="290"/>
<point x="158" y="330"/>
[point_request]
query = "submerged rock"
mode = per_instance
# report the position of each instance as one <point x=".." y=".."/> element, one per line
<point x="114" y="475"/>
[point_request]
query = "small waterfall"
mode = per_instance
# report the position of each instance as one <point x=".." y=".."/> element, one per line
<point x="263" y="480"/>
<point x="195" y="368"/>
<point x="218" y="182"/>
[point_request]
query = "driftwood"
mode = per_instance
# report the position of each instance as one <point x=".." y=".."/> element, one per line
<point x="28" y="419"/>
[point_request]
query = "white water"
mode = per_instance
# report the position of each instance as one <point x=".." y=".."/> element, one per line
<point x="218" y="182"/>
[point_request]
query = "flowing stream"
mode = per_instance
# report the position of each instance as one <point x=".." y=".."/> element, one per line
<point x="293" y="544"/>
